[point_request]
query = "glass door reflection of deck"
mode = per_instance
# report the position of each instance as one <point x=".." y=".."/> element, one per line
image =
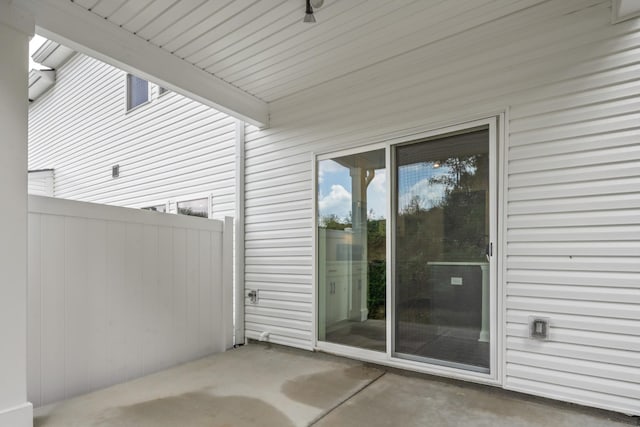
<point x="483" y="336"/>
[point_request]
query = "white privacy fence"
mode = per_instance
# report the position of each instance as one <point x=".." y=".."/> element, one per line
<point x="117" y="293"/>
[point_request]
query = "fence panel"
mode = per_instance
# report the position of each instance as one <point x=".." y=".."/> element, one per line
<point x="117" y="293"/>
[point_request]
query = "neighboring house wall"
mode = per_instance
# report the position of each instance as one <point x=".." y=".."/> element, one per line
<point x="169" y="149"/>
<point x="568" y="81"/>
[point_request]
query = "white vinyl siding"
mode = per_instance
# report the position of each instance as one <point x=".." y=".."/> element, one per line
<point x="169" y="148"/>
<point x="40" y="182"/>
<point x="568" y="81"/>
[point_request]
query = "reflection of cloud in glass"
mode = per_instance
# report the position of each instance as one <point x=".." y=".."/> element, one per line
<point x="329" y="167"/>
<point x="337" y="202"/>
<point x="376" y="195"/>
<point x="427" y="193"/>
<point x="334" y="192"/>
<point x="416" y="182"/>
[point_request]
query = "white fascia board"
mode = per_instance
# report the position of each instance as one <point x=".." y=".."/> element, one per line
<point x="52" y="54"/>
<point x="83" y="31"/>
<point x="623" y="10"/>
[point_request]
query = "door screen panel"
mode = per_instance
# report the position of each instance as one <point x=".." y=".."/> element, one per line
<point x="441" y="251"/>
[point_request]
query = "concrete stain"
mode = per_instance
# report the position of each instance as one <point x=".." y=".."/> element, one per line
<point x="196" y="409"/>
<point x="323" y="389"/>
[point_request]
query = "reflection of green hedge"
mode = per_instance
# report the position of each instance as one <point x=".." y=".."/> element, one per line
<point x="377" y="297"/>
<point x="377" y="269"/>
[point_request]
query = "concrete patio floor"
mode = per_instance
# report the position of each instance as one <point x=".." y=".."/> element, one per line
<point x="264" y="385"/>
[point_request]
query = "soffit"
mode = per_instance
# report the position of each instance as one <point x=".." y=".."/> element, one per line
<point x="264" y="48"/>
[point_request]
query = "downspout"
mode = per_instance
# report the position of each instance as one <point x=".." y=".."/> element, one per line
<point x="238" y="294"/>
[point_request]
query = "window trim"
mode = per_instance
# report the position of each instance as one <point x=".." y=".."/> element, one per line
<point x="173" y="203"/>
<point x="148" y="207"/>
<point x="128" y="80"/>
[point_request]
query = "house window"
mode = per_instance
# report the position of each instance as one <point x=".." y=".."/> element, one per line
<point x="137" y="91"/>
<point x="157" y="208"/>
<point x="198" y="207"/>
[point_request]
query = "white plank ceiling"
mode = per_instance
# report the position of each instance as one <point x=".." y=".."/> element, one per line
<point x="264" y="48"/>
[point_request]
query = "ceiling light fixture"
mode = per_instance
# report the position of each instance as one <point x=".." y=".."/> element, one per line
<point x="308" y="16"/>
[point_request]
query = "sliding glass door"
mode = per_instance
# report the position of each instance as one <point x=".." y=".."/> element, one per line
<point x="426" y="292"/>
<point x="442" y="249"/>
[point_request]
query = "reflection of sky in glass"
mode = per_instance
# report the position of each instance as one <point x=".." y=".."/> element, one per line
<point x="334" y="191"/>
<point x="415" y="181"/>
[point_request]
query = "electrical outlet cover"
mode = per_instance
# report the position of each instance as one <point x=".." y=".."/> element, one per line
<point x="539" y="327"/>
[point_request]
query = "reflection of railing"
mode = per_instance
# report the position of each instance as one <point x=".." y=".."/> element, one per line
<point x="457" y="281"/>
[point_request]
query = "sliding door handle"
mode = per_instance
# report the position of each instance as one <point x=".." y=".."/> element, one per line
<point x="489" y="252"/>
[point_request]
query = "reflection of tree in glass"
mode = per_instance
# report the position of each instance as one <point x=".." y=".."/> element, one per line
<point x="459" y="171"/>
<point x="377" y="268"/>
<point x="334" y="222"/>
<point x="464" y="208"/>
<point x="452" y="229"/>
<point x="461" y="213"/>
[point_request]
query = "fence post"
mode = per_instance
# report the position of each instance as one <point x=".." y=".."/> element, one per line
<point x="227" y="281"/>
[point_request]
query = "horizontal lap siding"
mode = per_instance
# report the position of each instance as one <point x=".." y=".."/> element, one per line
<point x="569" y="80"/>
<point x="573" y="241"/>
<point x="278" y="246"/>
<point x="169" y="148"/>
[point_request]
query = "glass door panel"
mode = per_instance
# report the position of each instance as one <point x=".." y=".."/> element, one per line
<point x="441" y="251"/>
<point x="352" y="250"/>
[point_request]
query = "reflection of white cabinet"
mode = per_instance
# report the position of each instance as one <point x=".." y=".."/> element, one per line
<point x="342" y="279"/>
<point x="456" y="280"/>
<point x="336" y="291"/>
